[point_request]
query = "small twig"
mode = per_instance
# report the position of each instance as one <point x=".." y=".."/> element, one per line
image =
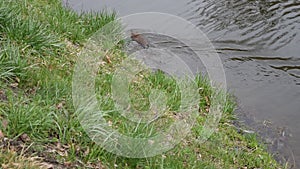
<point x="107" y="57"/>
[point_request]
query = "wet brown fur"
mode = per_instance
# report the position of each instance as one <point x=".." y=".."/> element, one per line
<point x="140" y="39"/>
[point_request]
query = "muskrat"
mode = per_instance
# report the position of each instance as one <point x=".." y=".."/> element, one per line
<point x="140" y="39"/>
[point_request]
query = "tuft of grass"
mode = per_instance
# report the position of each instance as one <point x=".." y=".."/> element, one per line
<point x="27" y="117"/>
<point x="11" y="63"/>
<point x="23" y="31"/>
<point x="66" y="22"/>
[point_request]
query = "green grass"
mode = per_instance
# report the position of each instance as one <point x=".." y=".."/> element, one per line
<point x="39" y="43"/>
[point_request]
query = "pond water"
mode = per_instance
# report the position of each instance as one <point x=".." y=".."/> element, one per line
<point x="258" y="42"/>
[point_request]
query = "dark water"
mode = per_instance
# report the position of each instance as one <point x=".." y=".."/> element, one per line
<point x="258" y="42"/>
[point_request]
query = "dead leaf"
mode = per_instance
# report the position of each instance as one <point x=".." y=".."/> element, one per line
<point x="207" y="100"/>
<point x="66" y="146"/>
<point x="87" y="151"/>
<point x="108" y="59"/>
<point x="4" y="123"/>
<point x="110" y="123"/>
<point x="207" y="109"/>
<point x="63" y="154"/>
<point x="32" y="91"/>
<point x="1" y="135"/>
<point x="17" y="80"/>
<point x="14" y="85"/>
<point x="67" y="164"/>
<point x="24" y="137"/>
<point x="3" y="95"/>
<point x="58" y="146"/>
<point x="47" y="165"/>
<point x="60" y="105"/>
<point x="151" y="142"/>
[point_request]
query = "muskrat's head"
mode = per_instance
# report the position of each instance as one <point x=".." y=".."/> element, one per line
<point x="134" y="35"/>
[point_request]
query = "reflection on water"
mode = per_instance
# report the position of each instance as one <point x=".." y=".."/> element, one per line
<point x="258" y="42"/>
<point x="252" y="27"/>
<point x="257" y="24"/>
<point x="274" y="66"/>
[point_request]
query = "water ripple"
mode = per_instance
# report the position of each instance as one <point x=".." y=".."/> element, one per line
<point x="261" y="24"/>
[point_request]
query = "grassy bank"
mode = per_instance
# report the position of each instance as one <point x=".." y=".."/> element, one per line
<point x="39" y="43"/>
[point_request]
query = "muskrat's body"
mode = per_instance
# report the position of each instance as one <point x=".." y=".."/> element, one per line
<point x="140" y="39"/>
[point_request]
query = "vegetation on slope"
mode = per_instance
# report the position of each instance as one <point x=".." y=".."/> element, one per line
<point x="39" y="43"/>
